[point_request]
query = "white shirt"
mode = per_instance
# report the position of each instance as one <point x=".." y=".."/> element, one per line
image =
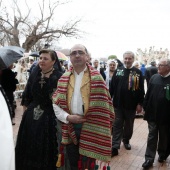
<point x="7" y="150"/>
<point x="76" y="101"/>
<point x="128" y="68"/>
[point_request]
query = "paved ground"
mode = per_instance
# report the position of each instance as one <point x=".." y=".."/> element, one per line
<point x="126" y="160"/>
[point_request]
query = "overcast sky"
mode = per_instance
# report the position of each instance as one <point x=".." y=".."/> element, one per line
<point x="115" y="26"/>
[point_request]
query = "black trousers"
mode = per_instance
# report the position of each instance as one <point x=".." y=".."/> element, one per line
<point x="122" y="126"/>
<point x="73" y="155"/>
<point x="73" y="150"/>
<point x="157" y="140"/>
<point x="10" y="96"/>
<point x="168" y="149"/>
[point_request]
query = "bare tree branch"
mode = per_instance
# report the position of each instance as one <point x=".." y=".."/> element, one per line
<point x="42" y="29"/>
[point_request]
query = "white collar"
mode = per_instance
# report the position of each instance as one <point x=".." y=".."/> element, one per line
<point x="82" y="72"/>
<point x="166" y="75"/>
<point x="128" y="68"/>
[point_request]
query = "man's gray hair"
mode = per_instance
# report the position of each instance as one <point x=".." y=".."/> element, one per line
<point x="168" y="62"/>
<point x="129" y="52"/>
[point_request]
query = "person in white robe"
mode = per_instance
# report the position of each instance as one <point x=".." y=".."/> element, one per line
<point x="7" y="151"/>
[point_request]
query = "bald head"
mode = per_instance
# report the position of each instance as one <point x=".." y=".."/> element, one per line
<point x="78" y="57"/>
<point x="79" y="46"/>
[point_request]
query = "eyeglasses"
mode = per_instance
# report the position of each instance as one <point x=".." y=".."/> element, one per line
<point x="79" y="52"/>
<point x="162" y="65"/>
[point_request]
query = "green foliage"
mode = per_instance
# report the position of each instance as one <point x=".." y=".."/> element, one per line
<point x="112" y="57"/>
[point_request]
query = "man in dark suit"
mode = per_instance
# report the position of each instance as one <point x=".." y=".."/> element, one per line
<point x="150" y="71"/>
<point x="157" y="106"/>
<point x="127" y="91"/>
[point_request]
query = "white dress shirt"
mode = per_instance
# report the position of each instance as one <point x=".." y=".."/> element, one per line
<point x="76" y="101"/>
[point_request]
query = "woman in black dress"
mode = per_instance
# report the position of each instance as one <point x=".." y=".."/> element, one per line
<point x="36" y="147"/>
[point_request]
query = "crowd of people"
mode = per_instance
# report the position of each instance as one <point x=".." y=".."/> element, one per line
<point x="77" y="112"/>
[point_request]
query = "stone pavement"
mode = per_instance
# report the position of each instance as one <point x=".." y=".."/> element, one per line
<point x="127" y="159"/>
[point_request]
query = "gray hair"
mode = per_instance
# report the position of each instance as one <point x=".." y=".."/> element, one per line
<point x="168" y="62"/>
<point x="129" y="52"/>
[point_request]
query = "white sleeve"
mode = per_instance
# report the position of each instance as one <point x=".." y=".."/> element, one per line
<point x="60" y="114"/>
<point x="7" y="148"/>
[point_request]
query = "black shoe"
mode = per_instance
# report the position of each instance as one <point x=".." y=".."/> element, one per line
<point x="127" y="146"/>
<point x="147" y="164"/>
<point x="161" y="159"/>
<point x="114" y="152"/>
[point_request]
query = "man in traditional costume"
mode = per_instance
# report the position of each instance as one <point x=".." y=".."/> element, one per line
<point x="157" y="113"/>
<point x="83" y="104"/>
<point x="127" y="90"/>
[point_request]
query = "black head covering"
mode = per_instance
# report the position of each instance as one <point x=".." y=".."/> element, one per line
<point x="57" y="63"/>
<point x="119" y="63"/>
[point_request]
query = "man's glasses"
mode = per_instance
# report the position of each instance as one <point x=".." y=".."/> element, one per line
<point x="79" y="52"/>
<point x="162" y="65"/>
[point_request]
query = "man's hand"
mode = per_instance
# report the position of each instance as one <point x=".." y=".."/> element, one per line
<point x="24" y="108"/>
<point x="76" y="119"/>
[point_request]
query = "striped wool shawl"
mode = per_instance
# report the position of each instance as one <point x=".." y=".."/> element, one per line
<point x="95" y="138"/>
